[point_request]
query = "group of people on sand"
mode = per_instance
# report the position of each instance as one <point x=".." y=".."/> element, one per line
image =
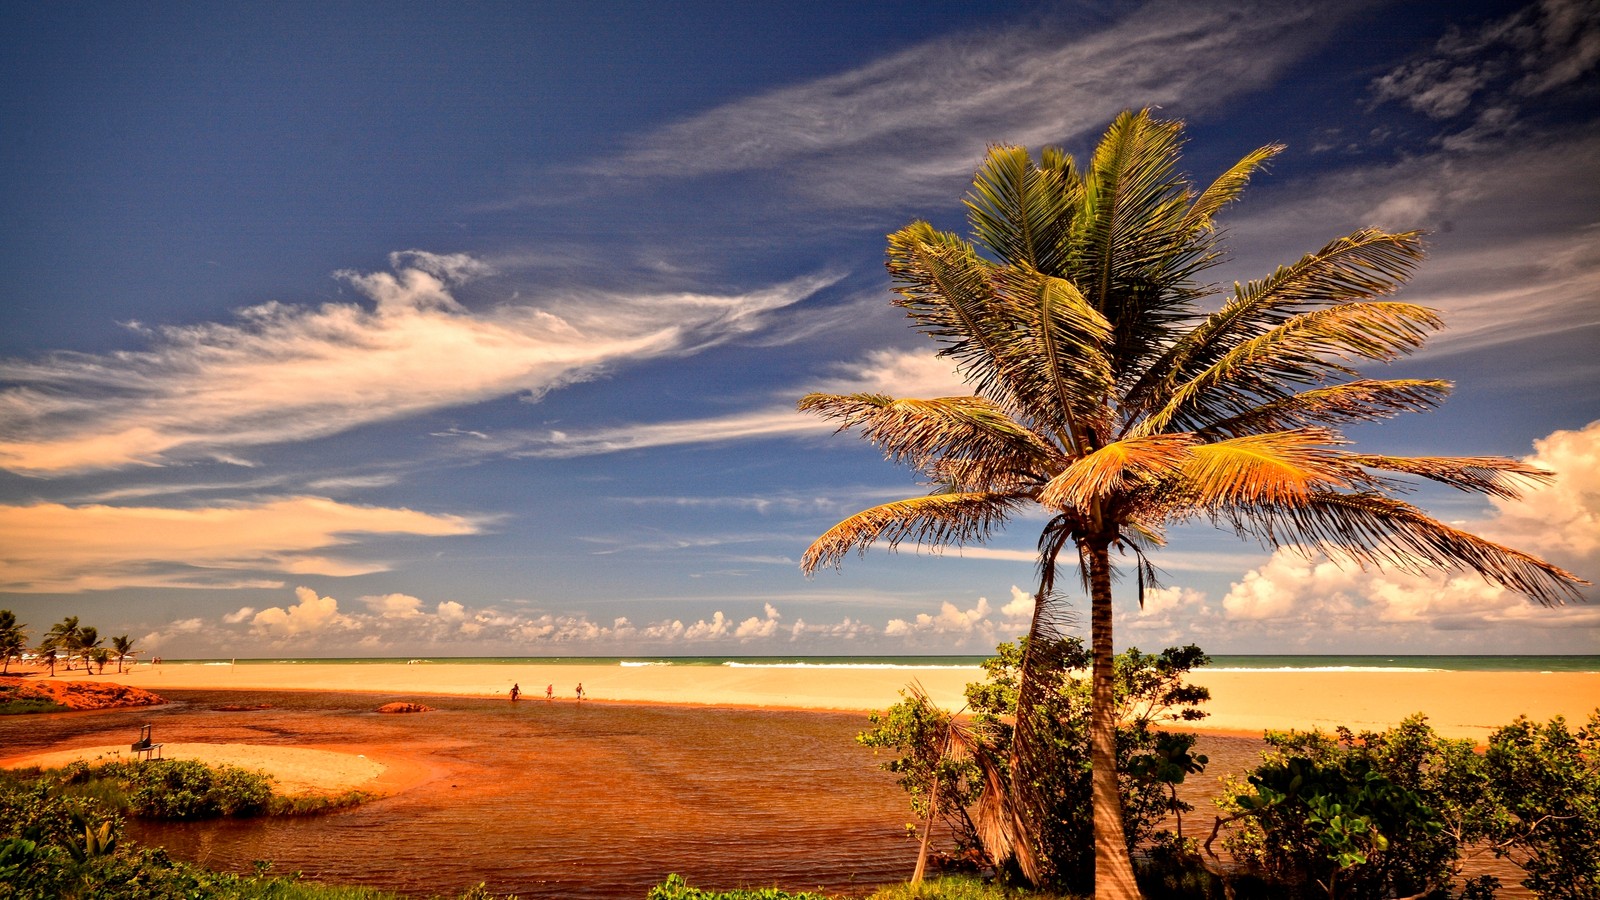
<point x="549" y="692"/>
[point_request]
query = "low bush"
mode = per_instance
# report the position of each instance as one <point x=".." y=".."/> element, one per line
<point x="1376" y="815"/>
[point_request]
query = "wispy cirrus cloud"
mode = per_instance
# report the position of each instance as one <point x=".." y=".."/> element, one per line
<point x="55" y="548"/>
<point x="1488" y="74"/>
<point x="282" y="373"/>
<point x="885" y="132"/>
<point x="1510" y="231"/>
<point x="897" y="373"/>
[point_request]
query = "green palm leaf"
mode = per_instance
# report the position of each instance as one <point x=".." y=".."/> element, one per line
<point x="936" y="520"/>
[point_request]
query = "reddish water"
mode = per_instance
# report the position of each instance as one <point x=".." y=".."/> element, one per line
<point x="562" y="799"/>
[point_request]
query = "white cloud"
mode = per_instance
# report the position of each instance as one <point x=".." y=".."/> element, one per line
<point x="1540" y="48"/>
<point x="894" y="372"/>
<point x="242" y="614"/>
<point x="394" y="606"/>
<point x="282" y="373"/>
<point x="311" y="615"/>
<point x="1560" y="522"/>
<point x="914" y="120"/>
<point x="754" y="627"/>
<point x="50" y="547"/>
<point x="1513" y="230"/>
<point x="978" y="628"/>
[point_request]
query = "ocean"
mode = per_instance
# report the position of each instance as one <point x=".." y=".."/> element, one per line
<point x="1219" y="662"/>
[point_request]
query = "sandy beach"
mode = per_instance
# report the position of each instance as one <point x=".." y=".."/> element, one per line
<point x="1458" y="704"/>
<point x="298" y="770"/>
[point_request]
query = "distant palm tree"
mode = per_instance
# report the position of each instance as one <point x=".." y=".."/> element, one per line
<point x="124" y="647"/>
<point x="1106" y="397"/>
<point x="88" y="644"/>
<point x="13" y="639"/>
<point x="47" y="652"/>
<point x="65" y="636"/>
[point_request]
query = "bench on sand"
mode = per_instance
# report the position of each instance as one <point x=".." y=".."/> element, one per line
<point x="143" y="748"/>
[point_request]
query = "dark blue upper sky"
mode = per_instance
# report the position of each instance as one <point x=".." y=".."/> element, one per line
<point x="394" y="328"/>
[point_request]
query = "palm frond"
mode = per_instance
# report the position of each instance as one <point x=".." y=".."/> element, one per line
<point x="1019" y="211"/>
<point x="1065" y="350"/>
<point x="935" y="520"/>
<point x="926" y="432"/>
<point x="998" y="473"/>
<point x="1348" y="403"/>
<point x="1363" y="265"/>
<point x="1282" y="468"/>
<point x="1225" y="189"/>
<point x="1093" y="479"/>
<point x="1372" y="529"/>
<point x="1135" y="258"/>
<point x="1493" y="475"/>
<point x="1309" y="348"/>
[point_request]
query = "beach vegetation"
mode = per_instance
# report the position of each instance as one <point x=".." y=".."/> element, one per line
<point x="13" y="705"/>
<point x="122" y="645"/>
<point x="58" y="845"/>
<point x="1116" y="392"/>
<point x="187" y="790"/>
<point x="676" y="888"/>
<point x="1375" y="815"/>
<point x="13" y="640"/>
<point x="962" y="790"/>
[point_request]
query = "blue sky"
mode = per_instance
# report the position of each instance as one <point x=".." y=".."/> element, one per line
<point x="476" y="329"/>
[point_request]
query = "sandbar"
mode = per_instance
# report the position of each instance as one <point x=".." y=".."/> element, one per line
<point x="1458" y="704"/>
<point x="297" y="770"/>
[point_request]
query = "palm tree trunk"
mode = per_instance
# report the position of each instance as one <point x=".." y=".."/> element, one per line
<point x="927" y="832"/>
<point x="1113" y="868"/>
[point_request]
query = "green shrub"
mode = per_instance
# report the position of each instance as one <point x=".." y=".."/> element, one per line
<point x="1150" y="689"/>
<point x="1385" y="814"/>
<point x="1547" y="783"/>
<point x="675" y="888"/>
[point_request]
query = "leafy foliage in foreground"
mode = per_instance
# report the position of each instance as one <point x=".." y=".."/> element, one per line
<point x="952" y="888"/>
<point x="675" y="888"/>
<point x="1391" y="814"/>
<point x="60" y="842"/>
<point x="187" y="790"/>
<point x="1150" y="690"/>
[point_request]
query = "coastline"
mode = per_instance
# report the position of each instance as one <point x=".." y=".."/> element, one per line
<point x="1458" y="704"/>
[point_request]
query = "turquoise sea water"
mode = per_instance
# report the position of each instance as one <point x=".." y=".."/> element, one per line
<point x="1221" y="662"/>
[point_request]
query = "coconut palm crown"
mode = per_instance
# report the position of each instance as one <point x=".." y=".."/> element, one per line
<point x="1105" y="395"/>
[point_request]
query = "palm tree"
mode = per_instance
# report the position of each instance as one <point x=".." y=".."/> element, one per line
<point x="65" y="636"/>
<point x="124" y="647"/>
<point x="47" y="652"/>
<point x="13" y="640"/>
<point x="88" y="645"/>
<point x="1106" y="396"/>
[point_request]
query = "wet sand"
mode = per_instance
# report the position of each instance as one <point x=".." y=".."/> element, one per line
<point x="1458" y="704"/>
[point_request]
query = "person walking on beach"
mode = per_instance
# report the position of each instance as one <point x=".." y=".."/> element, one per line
<point x="549" y="692"/>
<point x="516" y="691"/>
<point x="580" y="690"/>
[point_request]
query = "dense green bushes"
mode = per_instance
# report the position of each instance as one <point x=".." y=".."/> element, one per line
<point x="1150" y="690"/>
<point x="1367" y="816"/>
<point x="1386" y="814"/>
<point x="183" y="790"/>
<point x="61" y="837"/>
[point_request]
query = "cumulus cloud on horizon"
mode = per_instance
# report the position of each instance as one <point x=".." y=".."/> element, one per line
<point x="1559" y="522"/>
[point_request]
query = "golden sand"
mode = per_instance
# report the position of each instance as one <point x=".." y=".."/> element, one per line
<point x="1458" y="704"/>
<point x="298" y="770"/>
